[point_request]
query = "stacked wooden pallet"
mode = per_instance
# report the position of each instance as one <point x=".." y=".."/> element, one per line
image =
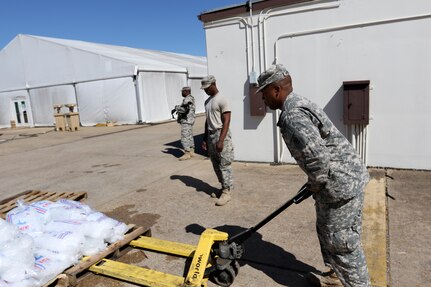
<point x="71" y="276"/>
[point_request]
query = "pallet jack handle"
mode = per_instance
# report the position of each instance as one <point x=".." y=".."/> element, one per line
<point x="225" y="269"/>
<point x="302" y="194"/>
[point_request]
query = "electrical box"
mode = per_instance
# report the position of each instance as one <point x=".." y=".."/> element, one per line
<point x="356" y="102"/>
<point x="257" y="105"/>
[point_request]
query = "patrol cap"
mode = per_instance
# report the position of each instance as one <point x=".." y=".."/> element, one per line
<point x="186" y="89"/>
<point x="207" y="81"/>
<point x="273" y="74"/>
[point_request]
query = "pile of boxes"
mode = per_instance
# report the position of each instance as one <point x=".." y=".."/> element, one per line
<point x="66" y="121"/>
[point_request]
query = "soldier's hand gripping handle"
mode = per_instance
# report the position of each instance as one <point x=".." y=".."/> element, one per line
<point x="302" y="194"/>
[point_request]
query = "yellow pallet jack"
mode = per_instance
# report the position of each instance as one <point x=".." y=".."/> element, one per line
<point x="214" y="258"/>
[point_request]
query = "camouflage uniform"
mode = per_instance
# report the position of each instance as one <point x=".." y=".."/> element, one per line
<point x="222" y="161"/>
<point x="186" y="117"/>
<point x="338" y="176"/>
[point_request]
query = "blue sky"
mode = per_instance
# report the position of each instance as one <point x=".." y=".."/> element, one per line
<point x="166" y="25"/>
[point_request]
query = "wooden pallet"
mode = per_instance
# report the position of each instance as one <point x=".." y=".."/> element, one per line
<point x="72" y="275"/>
<point x="36" y="195"/>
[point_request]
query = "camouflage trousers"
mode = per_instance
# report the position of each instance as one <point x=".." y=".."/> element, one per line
<point x="339" y="228"/>
<point x="222" y="161"/>
<point x="187" y="140"/>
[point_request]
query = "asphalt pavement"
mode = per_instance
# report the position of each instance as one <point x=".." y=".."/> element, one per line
<point x="132" y="173"/>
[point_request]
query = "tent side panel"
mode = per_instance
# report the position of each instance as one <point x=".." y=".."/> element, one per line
<point x="120" y="101"/>
<point x="44" y="99"/>
<point x="90" y="103"/>
<point x="160" y="92"/>
<point x="111" y="100"/>
<point x="174" y="83"/>
<point x="5" y="110"/>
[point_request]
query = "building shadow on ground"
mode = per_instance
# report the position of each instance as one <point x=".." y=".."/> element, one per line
<point x="198" y="184"/>
<point x="277" y="263"/>
<point x="175" y="148"/>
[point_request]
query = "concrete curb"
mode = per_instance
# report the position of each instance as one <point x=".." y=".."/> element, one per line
<point x="375" y="230"/>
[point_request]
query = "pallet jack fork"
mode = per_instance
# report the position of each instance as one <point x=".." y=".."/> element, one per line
<point x="215" y="257"/>
<point x="196" y="277"/>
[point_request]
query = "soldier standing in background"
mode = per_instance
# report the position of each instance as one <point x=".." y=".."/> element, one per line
<point x="217" y="137"/>
<point x="186" y="117"/>
<point x="335" y="173"/>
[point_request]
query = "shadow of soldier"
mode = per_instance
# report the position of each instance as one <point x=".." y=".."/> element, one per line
<point x="175" y="148"/>
<point x="198" y="184"/>
<point x="278" y="264"/>
<point x="176" y="152"/>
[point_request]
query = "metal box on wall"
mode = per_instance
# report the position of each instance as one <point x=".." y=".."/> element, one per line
<point x="257" y="106"/>
<point x="356" y="102"/>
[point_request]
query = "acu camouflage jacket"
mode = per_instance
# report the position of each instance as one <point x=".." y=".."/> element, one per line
<point x="332" y="165"/>
<point x="186" y="111"/>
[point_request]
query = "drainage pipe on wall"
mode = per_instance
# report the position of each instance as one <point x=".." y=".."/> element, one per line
<point x="251" y="67"/>
<point x="345" y="27"/>
<point x="337" y="28"/>
<point x="263" y="17"/>
<point x="252" y="73"/>
<point x="221" y="23"/>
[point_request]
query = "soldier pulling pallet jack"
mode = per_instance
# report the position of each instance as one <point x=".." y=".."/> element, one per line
<point x="336" y="179"/>
<point x="336" y="175"/>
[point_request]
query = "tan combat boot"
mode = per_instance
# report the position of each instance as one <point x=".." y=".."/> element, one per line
<point x="224" y="198"/>
<point x="192" y="153"/>
<point x="217" y="193"/>
<point x="185" y="156"/>
<point x="324" y="279"/>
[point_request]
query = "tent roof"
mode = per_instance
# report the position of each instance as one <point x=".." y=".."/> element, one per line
<point x="145" y="59"/>
<point x="83" y="61"/>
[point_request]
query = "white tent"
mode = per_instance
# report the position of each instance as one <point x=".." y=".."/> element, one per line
<point x="107" y="83"/>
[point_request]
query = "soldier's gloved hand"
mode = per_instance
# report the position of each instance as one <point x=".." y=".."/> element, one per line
<point x="315" y="187"/>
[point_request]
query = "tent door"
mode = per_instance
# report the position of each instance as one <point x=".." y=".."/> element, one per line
<point x="21" y="113"/>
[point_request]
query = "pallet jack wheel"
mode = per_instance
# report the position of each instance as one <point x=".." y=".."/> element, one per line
<point x="236" y="266"/>
<point x="224" y="277"/>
